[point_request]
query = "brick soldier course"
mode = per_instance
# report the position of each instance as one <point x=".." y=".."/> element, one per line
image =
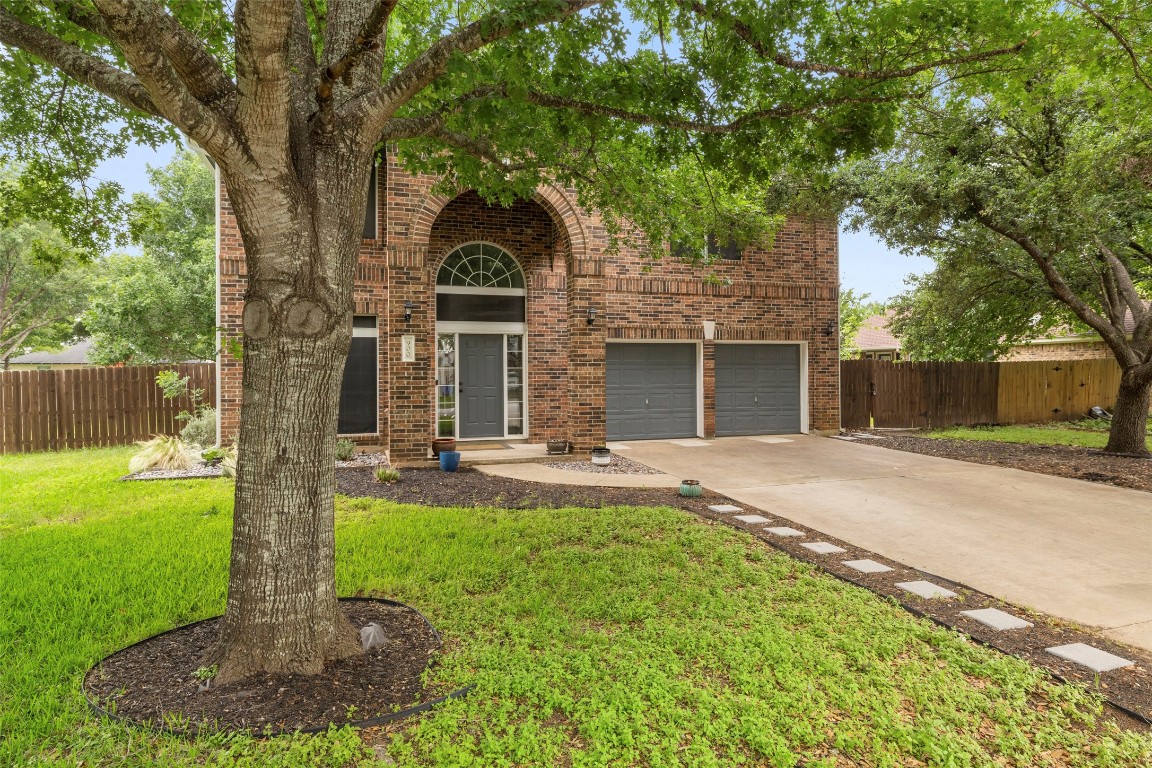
<point x="784" y="294"/>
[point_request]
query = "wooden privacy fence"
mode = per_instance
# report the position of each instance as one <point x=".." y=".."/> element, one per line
<point x="83" y="407"/>
<point x="878" y="393"/>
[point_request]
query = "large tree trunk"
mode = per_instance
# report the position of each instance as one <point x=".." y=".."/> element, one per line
<point x="1130" y="417"/>
<point x="301" y="244"/>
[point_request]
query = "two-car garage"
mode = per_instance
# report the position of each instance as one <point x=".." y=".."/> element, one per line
<point x="654" y="390"/>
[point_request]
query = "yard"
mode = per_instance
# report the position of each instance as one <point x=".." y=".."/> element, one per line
<point x="619" y="636"/>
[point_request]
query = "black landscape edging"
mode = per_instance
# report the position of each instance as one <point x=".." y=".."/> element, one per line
<point x="203" y="728"/>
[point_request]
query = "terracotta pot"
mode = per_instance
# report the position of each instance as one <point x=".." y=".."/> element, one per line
<point x="442" y="444"/>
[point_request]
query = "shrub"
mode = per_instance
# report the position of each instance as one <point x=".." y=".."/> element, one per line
<point x="162" y="452"/>
<point x="345" y="450"/>
<point x="387" y="475"/>
<point x="228" y="462"/>
<point x="200" y="429"/>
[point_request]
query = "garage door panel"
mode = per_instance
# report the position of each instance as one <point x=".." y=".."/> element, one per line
<point x="651" y="391"/>
<point x="757" y="389"/>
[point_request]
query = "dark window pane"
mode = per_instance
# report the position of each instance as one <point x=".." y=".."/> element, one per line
<point x="364" y="321"/>
<point x="358" y="389"/>
<point x="370" y="209"/>
<point x="726" y="250"/>
<point x="686" y="251"/>
<point x="479" y="308"/>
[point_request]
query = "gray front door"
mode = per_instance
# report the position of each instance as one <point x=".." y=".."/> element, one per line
<point x="481" y="385"/>
<point x="651" y="391"/>
<point x="757" y="389"/>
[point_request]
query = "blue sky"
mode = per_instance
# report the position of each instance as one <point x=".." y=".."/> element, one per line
<point x="866" y="264"/>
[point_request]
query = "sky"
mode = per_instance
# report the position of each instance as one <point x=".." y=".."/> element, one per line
<point x="866" y="264"/>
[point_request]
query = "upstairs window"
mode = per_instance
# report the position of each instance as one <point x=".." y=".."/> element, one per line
<point x="370" y="208"/>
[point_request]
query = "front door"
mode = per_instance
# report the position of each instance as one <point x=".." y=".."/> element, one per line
<point x="481" y="385"/>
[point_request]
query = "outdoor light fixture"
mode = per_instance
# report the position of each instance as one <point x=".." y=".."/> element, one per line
<point x="408" y="307"/>
<point x="830" y="328"/>
<point x="591" y="315"/>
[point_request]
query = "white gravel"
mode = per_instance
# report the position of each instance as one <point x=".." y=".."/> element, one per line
<point x="203" y="470"/>
<point x="619" y="466"/>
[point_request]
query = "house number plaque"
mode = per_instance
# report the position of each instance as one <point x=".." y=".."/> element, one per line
<point x="407" y="348"/>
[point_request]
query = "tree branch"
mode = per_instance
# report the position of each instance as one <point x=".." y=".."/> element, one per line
<point x="123" y="88"/>
<point x="1137" y="68"/>
<point x="744" y="32"/>
<point x="263" y="77"/>
<point x="1112" y="336"/>
<point x="379" y="105"/>
<point x="367" y="40"/>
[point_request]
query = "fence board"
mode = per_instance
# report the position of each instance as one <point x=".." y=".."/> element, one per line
<point x="921" y="394"/>
<point x="83" y="407"/>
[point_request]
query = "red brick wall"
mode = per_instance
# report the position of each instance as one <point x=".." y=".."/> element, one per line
<point x="785" y="292"/>
<point x="1091" y="350"/>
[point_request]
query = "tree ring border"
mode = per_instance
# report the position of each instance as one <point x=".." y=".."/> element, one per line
<point x="205" y="729"/>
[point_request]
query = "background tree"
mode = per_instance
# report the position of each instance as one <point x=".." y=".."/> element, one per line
<point x="292" y="99"/>
<point x="1028" y="203"/>
<point x="44" y="287"/>
<point x="854" y="310"/>
<point x="160" y="305"/>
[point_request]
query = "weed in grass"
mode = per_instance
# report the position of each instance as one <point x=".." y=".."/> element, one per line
<point x="594" y="637"/>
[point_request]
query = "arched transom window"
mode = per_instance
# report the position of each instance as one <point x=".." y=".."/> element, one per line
<point x="480" y="265"/>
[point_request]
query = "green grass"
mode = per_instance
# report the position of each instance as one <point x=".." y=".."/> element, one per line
<point x="1084" y="434"/>
<point x="594" y="637"/>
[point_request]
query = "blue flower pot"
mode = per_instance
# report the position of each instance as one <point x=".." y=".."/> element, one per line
<point x="449" y="460"/>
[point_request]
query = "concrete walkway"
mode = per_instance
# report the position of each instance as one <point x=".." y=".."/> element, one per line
<point x="1068" y="548"/>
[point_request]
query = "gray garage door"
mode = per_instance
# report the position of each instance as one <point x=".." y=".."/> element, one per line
<point x="651" y="391"/>
<point x="757" y="389"/>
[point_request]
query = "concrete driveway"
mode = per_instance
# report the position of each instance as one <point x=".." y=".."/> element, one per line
<point x="1068" y="548"/>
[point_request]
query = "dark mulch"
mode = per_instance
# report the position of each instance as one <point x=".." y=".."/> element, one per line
<point x="156" y="679"/>
<point x="1128" y="690"/>
<point x="1060" y="460"/>
<point x="468" y="487"/>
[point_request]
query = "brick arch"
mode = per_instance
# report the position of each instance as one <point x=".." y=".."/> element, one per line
<point x="556" y="203"/>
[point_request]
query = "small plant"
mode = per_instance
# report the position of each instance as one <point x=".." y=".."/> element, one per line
<point x="345" y="450"/>
<point x="201" y="428"/>
<point x="204" y="674"/>
<point x="214" y="454"/>
<point x="162" y="452"/>
<point x="387" y="475"/>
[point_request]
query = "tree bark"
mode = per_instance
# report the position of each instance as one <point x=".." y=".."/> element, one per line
<point x="282" y="614"/>
<point x="1130" y="417"/>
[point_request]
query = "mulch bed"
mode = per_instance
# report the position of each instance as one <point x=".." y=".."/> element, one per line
<point x="151" y="681"/>
<point x="1060" y="460"/>
<point x="468" y="487"/>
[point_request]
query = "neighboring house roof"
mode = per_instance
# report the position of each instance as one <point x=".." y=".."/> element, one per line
<point x="77" y="354"/>
<point x="874" y="334"/>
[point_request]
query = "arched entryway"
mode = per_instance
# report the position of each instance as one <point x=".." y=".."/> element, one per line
<point x="480" y="331"/>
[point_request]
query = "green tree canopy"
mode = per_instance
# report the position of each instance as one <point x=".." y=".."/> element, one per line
<point x="160" y="305"/>
<point x="44" y="286"/>
<point x="1031" y="194"/>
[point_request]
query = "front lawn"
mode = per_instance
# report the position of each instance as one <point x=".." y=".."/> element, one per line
<point x="1083" y="434"/>
<point x="594" y="637"/>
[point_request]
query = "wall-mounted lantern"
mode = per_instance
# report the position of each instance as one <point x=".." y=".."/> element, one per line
<point x="408" y="307"/>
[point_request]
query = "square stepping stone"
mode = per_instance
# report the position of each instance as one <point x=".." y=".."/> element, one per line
<point x="823" y="547"/>
<point x="925" y="589"/>
<point x="690" y="443"/>
<point x="785" y="531"/>
<point x="866" y="566"/>
<point x="724" y="509"/>
<point x="751" y="519"/>
<point x="997" y="619"/>
<point x="1087" y="656"/>
<point x="771" y="440"/>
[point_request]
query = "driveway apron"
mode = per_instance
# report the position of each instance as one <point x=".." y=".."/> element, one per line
<point x="1069" y="548"/>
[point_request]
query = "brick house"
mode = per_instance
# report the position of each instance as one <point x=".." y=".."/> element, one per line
<point x="517" y="324"/>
